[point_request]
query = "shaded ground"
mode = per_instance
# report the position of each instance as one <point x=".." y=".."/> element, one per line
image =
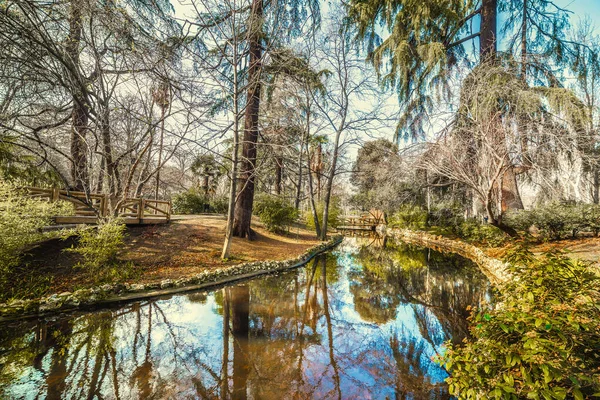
<point x="186" y="246"/>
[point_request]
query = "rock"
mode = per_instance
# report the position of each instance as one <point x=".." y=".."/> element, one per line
<point x="119" y="288"/>
<point x="136" y="287"/>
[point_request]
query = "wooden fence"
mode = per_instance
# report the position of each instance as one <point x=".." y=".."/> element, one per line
<point x="89" y="208"/>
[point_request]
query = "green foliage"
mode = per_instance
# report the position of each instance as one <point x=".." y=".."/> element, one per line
<point x="557" y="220"/>
<point x="447" y="216"/>
<point x="333" y="220"/>
<point x="21" y="220"/>
<point x="195" y="202"/>
<point x="275" y="213"/>
<point x="99" y="247"/>
<point x="410" y="217"/>
<point x="485" y="234"/>
<point x="415" y="56"/>
<point x="541" y="341"/>
<point x="448" y="220"/>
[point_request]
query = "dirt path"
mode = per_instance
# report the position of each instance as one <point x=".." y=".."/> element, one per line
<point x="192" y="243"/>
<point x="586" y="249"/>
<point x="186" y="246"/>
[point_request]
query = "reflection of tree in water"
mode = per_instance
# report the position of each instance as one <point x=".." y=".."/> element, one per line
<point x="446" y="285"/>
<point x="410" y="380"/>
<point x="322" y="331"/>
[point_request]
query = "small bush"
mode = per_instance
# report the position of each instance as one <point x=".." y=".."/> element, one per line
<point x="195" y="202"/>
<point x="333" y="220"/>
<point x="219" y="205"/>
<point x="100" y="247"/>
<point x="410" y="217"/>
<point x="557" y="220"/>
<point x="275" y="213"/>
<point x="21" y="220"/>
<point x="448" y="217"/>
<point x="540" y="342"/>
<point x="485" y="234"/>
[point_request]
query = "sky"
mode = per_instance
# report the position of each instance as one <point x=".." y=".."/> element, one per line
<point x="581" y="8"/>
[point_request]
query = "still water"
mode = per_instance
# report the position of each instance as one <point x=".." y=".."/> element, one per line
<point x="361" y="322"/>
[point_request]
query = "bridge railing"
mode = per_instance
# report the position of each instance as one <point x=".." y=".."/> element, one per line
<point x="89" y="207"/>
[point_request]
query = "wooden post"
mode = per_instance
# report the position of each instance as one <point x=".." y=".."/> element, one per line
<point x="55" y="195"/>
<point x="141" y="206"/>
<point x="104" y="205"/>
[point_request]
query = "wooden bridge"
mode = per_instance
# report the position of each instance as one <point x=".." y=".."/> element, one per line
<point x="363" y="224"/>
<point x="90" y="207"/>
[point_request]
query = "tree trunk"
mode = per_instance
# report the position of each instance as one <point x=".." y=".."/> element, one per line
<point x="488" y="31"/>
<point x="510" y="197"/>
<point x="318" y="170"/>
<point x="596" y="185"/>
<point x="160" y="149"/>
<point x="329" y="186"/>
<point x="243" y="207"/>
<point x="107" y="150"/>
<point x="278" y="175"/>
<point x="524" y="43"/>
<point x="299" y="183"/>
<point x="79" y="115"/>
<point x="311" y="195"/>
<point x="205" y="186"/>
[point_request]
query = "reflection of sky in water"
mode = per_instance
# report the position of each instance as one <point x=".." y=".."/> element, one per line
<point x="173" y="348"/>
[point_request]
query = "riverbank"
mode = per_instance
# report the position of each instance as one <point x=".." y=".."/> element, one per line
<point x="495" y="270"/>
<point x="118" y="292"/>
<point x="187" y="246"/>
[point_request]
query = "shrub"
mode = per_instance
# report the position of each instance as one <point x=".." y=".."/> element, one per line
<point x="541" y="339"/>
<point x="275" y="213"/>
<point x="449" y="217"/>
<point x="557" y="220"/>
<point x="21" y="220"/>
<point x="333" y="220"/>
<point x="194" y="202"/>
<point x="100" y="247"/>
<point x="486" y="234"/>
<point x="410" y="217"/>
<point x="219" y="205"/>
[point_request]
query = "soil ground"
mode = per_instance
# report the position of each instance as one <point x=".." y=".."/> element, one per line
<point x="186" y="246"/>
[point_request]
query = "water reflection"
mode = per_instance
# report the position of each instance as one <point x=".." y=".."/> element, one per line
<point x="362" y="322"/>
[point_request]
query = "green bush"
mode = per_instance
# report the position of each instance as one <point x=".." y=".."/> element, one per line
<point x="410" y="217"/>
<point x="275" y="213"/>
<point x="449" y="217"/>
<point x="474" y="232"/>
<point x="333" y="220"/>
<point x="100" y="246"/>
<point x="21" y="220"/>
<point x="193" y="201"/>
<point x="557" y="220"/>
<point x="541" y="341"/>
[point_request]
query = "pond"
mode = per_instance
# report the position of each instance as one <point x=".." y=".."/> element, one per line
<point x="363" y="321"/>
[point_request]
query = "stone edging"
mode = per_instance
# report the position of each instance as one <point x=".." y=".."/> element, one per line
<point x="106" y="294"/>
<point x="495" y="270"/>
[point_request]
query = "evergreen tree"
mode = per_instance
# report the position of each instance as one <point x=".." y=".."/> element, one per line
<point x="425" y="47"/>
